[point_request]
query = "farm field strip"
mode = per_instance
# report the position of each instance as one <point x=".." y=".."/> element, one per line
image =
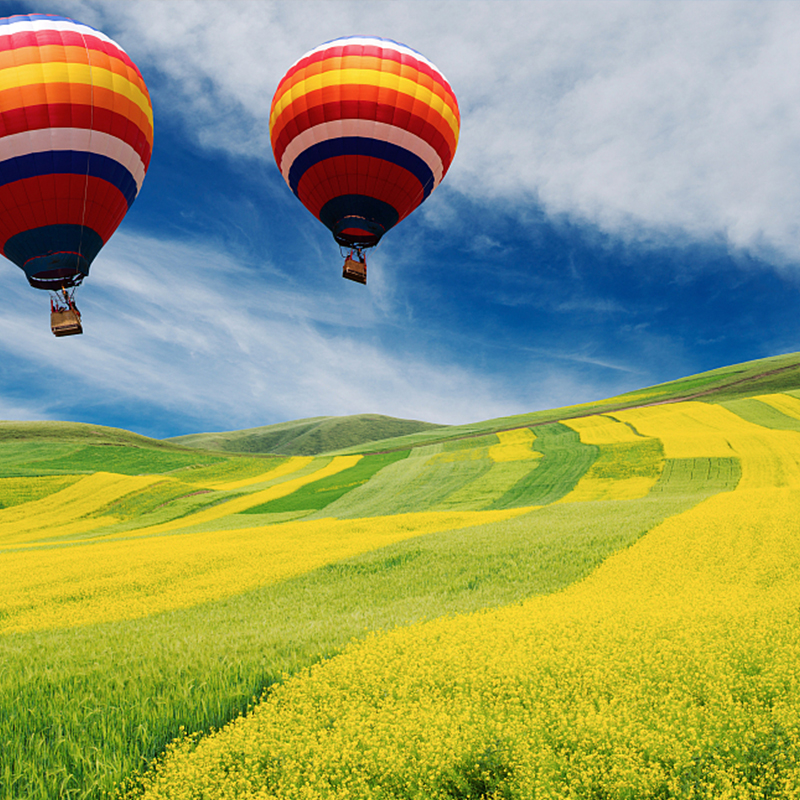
<point x="321" y="493"/>
<point x="565" y="461"/>
<point x="238" y="504"/>
<point x="125" y="579"/>
<point x="71" y="510"/>
<point x="291" y="465"/>
<point x="420" y="481"/>
<point x="629" y="682"/>
<point x="16" y="491"/>
<point x="786" y="404"/>
<point x="514" y="446"/>
<point x="627" y="467"/>
<point x="602" y="429"/>
<point x="489" y="486"/>
<point x="769" y="457"/>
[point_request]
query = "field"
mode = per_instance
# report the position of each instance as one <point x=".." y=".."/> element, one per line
<point x="594" y="602"/>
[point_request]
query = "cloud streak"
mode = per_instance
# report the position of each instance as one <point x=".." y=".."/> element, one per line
<point x="647" y="119"/>
<point x="237" y="356"/>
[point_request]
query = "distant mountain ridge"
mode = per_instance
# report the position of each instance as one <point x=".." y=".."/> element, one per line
<point x="365" y="433"/>
<point x="370" y="433"/>
<point x="307" y="437"/>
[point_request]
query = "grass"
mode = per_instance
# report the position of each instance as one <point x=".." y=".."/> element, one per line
<point x="318" y="495"/>
<point x="565" y="461"/>
<point x="33" y="458"/>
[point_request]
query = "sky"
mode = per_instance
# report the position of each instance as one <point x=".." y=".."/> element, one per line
<point x="623" y="209"/>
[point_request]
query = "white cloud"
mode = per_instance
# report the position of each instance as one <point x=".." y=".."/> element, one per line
<point x="185" y="329"/>
<point x="647" y="118"/>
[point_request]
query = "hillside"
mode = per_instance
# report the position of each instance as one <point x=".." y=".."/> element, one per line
<point x="604" y="596"/>
<point x="306" y="437"/>
<point x="371" y="433"/>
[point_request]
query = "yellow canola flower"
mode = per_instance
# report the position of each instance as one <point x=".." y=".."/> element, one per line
<point x="15" y="491"/>
<point x="242" y="503"/>
<point x="125" y="579"/>
<point x="599" y="430"/>
<point x="673" y="665"/>
<point x="71" y="511"/>
<point x="591" y="487"/>
<point x="785" y="403"/>
<point x="287" y="468"/>
<point x="514" y="446"/>
<point x="769" y="458"/>
<point x="597" y="484"/>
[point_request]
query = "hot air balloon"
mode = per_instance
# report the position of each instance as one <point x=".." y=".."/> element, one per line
<point x="363" y="129"/>
<point x="76" y="132"/>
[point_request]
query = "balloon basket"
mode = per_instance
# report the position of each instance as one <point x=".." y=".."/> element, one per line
<point x="66" y="322"/>
<point x="355" y="269"/>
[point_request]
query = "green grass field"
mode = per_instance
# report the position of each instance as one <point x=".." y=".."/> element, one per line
<point x="86" y="707"/>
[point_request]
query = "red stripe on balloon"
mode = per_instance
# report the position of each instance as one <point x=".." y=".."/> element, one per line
<point x="362" y="175"/>
<point x="365" y="102"/>
<point x="65" y="115"/>
<point x="59" y="200"/>
<point x="401" y="118"/>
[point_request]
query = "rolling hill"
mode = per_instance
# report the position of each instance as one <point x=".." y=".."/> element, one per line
<point x="601" y="599"/>
<point x="307" y="437"/>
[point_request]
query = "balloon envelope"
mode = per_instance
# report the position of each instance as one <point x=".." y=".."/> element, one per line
<point x="363" y="130"/>
<point x="76" y="133"/>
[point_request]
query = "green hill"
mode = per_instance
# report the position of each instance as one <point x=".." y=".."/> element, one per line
<point x="307" y="437"/>
<point x="371" y="433"/>
<point x="154" y="590"/>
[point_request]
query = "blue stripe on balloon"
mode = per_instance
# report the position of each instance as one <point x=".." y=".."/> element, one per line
<point x="25" y="247"/>
<point x="358" y="208"/>
<point x="69" y="162"/>
<point x="361" y="146"/>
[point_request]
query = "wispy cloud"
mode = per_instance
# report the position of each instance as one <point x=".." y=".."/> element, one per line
<point x="666" y="119"/>
<point x="186" y="329"/>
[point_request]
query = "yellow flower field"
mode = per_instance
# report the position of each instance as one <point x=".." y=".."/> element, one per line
<point x="514" y="446"/>
<point x="785" y="403"/>
<point x="135" y="577"/>
<point x="71" y="511"/>
<point x="287" y="468"/>
<point x="769" y="458"/>
<point x="672" y="671"/>
<point x="599" y="429"/>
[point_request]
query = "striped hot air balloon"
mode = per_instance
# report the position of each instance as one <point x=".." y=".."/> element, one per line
<point x="76" y="133"/>
<point x="363" y="129"/>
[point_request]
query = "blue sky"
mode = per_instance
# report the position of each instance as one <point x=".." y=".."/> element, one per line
<point x="623" y="209"/>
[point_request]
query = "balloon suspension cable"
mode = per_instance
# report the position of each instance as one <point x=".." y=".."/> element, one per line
<point x="63" y="299"/>
<point x="353" y="252"/>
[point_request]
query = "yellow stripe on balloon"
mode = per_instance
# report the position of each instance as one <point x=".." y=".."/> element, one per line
<point x="370" y="77"/>
<point x="60" y="72"/>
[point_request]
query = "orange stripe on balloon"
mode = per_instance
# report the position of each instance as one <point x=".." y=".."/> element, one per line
<point x="367" y="94"/>
<point x="435" y="82"/>
<point x="49" y="53"/>
<point x="81" y="94"/>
